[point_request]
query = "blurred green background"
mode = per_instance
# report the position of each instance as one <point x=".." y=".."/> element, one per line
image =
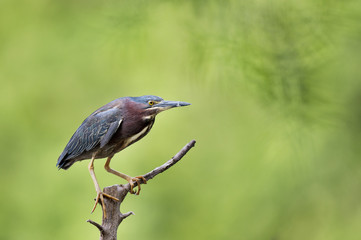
<point x="275" y="88"/>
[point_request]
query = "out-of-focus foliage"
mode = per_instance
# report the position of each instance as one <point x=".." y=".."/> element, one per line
<point x="275" y="88"/>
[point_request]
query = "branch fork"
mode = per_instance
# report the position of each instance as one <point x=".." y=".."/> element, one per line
<point x="108" y="229"/>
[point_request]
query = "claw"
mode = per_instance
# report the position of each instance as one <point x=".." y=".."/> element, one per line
<point x="111" y="197"/>
<point x="137" y="180"/>
<point x="131" y="187"/>
<point x="143" y="179"/>
<point x="100" y="196"/>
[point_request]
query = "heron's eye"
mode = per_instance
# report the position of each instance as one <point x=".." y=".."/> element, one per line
<point x="151" y="103"/>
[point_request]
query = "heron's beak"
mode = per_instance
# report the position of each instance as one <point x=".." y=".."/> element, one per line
<point x="164" y="105"/>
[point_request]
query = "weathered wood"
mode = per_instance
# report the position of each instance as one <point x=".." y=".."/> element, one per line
<point x="108" y="229"/>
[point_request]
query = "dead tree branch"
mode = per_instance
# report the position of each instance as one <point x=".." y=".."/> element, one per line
<point x="108" y="229"/>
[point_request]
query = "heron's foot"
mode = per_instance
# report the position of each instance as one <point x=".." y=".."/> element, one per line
<point x="138" y="180"/>
<point x="100" y="196"/>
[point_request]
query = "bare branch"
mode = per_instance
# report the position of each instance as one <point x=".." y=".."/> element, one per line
<point x="108" y="229"/>
<point x="125" y="215"/>
<point x="166" y="165"/>
<point x="97" y="225"/>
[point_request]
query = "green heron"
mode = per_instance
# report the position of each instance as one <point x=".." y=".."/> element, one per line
<point x="109" y="130"/>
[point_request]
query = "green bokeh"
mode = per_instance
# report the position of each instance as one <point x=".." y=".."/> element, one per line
<point x="275" y="88"/>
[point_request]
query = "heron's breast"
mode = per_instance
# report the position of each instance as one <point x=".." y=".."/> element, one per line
<point x="135" y="137"/>
<point x="127" y="136"/>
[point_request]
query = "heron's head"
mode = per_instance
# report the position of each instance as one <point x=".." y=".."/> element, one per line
<point x="152" y="105"/>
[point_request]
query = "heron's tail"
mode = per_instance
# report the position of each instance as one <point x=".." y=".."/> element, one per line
<point x="64" y="162"/>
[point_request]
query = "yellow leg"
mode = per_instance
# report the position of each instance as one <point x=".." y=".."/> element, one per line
<point x="100" y="194"/>
<point x="130" y="179"/>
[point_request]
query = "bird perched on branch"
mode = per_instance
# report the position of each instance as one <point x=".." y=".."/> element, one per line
<point x="109" y="130"/>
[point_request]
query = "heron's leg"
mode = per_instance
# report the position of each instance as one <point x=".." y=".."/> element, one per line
<point x="130" y="179"/>
<point x="100" y="194"/>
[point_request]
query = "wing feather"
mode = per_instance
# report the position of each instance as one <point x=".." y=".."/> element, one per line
<point x="98" y="128"/>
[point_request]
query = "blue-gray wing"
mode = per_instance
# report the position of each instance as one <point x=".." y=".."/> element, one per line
<point x="96" y="130"/>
